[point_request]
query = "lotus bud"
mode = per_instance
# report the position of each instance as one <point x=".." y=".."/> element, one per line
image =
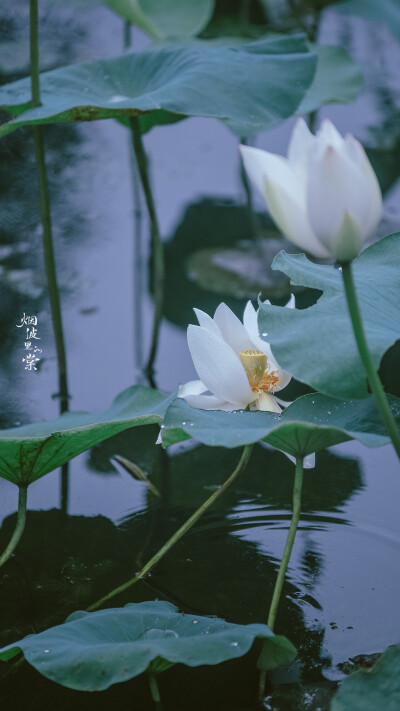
<point x="324" y="196"/>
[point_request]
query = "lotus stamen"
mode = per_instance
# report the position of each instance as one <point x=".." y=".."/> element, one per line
<point x="260" y="377"/>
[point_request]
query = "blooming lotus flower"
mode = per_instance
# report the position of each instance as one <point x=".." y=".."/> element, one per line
<point x="324" y="196"/>
<point x="234" y="364"/>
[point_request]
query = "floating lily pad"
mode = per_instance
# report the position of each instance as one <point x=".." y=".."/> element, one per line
<point x="93" y="650"/>
<point x="371" y="689"/>
<point x="30" y="452"/>
<point x="251" y="86"/>
<point x="317" y="345"/>
<point x="337" y="79"/>
<point x="169" y="18"/>
<point x="242" y="271"/>
<point x="313" y="422"/>
<point x="192" y="281"/>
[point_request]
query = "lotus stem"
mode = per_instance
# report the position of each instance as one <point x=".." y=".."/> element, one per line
<point x="158" y="269"/>
<point x="45" y="214"/>
<point x="180" y="532"/>
<point x="19" y="528"/>
<point x="155" y="691"/>
<point x="127" y="34"/>
<point x="34" y="51"/>
<point x="249" y="195"/>
<point x="372" y="375"/>
<point x="298" y="483"/>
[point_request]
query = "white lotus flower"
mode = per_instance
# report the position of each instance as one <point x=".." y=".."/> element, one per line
<point x="324" y="196"/>
<point x="234" y="364"/>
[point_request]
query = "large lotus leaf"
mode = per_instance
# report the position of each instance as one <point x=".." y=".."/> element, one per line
<point x="308" y="425"/>
<point x="31" y="451"/>
<point x="372" y="689"/>
<point x="168" y="18"/>
<point x="385" y="11"/>
<point x="317" y="344"/>
<point x="337" y="79"/>
<point x="252" y="86"/>
<point x="93" y="650"/>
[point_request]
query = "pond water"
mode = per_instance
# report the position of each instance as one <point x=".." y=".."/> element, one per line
<point x="340" y="598"/>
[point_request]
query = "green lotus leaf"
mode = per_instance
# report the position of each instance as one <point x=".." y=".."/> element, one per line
<point x="31" y="451"/>
<point x="337" y="79"/>
<point x="93" y="650"/>
<point x="371" y="689"/>
<point x="251" y="86"/>
<point x="384" y="11"/>
<point x="311" y="423"/>
<point x="316" y="345"/>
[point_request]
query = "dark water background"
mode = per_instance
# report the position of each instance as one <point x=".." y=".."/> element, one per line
<point x="341" y="595"/>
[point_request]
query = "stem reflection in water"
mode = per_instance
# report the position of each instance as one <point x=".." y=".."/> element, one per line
<point x="138" y="289"/>
<point x="297" y="488"/>
<point x="180" y="532"/>
<point x="157" y="250"/>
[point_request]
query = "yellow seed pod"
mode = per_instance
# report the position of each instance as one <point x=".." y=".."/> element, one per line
<point x="254" y="363"/>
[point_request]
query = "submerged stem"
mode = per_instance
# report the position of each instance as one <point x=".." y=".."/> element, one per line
<point x="298" y="483"/>
<point x="372" y="375"/>
<point x="20" y="525"/>
<point x="155" y="691"/>
<point x="156" y="243"/>
<point x="45" y="214"/>
<point x="180" y="532"/>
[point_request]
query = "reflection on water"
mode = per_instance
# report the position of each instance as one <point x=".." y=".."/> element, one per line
<point x="340" y="592"/>
<point x="225" y="566"/>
